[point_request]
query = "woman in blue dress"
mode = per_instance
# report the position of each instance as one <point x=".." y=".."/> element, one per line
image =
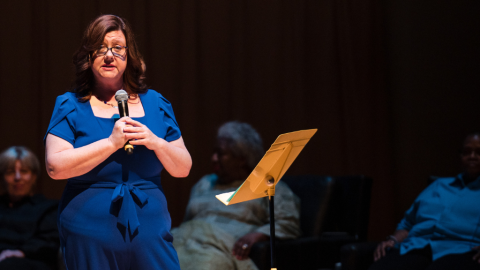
<point x="113" y="213"/>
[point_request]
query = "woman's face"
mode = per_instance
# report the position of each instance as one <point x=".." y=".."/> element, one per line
<point x="19" y="181"/>
<point x="108" y="68"/>
<point x="228" y="167"/>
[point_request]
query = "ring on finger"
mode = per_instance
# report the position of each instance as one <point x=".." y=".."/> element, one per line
<point x="245" y="246"/>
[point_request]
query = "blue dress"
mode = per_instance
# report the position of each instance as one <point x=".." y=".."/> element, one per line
<point x="115" y="216"/>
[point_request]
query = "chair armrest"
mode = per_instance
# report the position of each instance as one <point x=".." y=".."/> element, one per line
<point x="357" y="256"/>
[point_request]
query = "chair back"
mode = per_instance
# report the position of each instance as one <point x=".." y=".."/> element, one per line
<point x="314" y="192"/>
<point x="332" y="205"/>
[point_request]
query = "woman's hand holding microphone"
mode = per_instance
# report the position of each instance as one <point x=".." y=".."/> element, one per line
<point x="126" y="129"/>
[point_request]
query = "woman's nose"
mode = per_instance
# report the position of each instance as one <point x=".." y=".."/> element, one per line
<point x="17" y="174"/>
<point x="109" y="57"/>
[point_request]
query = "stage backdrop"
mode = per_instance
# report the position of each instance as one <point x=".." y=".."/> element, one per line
<point x="340" y="66"/>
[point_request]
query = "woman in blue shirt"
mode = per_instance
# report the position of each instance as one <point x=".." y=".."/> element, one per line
<point x="441" y="228"/>
<point x="113" y="213"/>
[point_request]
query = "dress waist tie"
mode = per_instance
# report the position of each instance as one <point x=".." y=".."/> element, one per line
<point x="127" y="212"/>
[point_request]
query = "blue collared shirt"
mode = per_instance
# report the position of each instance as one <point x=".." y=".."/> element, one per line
<point x="445" y="215"/>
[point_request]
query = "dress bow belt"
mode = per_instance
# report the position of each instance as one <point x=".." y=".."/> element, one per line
<point x="128" y="214"/>
<point x="125" y="195"/>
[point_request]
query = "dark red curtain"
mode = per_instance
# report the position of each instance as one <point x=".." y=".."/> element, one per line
<point x="278" y="65"/>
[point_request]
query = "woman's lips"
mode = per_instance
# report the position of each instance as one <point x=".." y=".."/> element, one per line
<point x="108" y="67"/>
<point x="18" y="186"/>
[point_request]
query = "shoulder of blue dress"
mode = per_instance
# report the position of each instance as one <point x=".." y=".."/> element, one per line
<point x="67" y="99"/>
<point x="166" y="106"/>
<point x="148" y="93"/>
<point x="69" y="94"/>
<point x="64" y="105"/>
<point x="151" y="93"/>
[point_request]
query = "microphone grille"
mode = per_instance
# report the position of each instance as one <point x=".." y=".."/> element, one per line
<point x="121" y="95"/>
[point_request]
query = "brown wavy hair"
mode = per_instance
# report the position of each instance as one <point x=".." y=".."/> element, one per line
<point x="134" y="75"/>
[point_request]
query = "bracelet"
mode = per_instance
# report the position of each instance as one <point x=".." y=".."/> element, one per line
<point x="393" y="238"/>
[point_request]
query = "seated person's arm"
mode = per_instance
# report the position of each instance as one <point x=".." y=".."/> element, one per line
<point x="401" y="233"/>
<point x="397" y="237"/>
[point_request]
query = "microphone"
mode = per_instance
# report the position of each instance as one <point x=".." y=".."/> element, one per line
<point x="121" y="97"/>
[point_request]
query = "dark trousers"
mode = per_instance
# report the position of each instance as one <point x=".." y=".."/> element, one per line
<point x="14" y="263"/>
<point x="421" y="259"/>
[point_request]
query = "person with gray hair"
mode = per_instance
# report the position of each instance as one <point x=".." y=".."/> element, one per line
<point x="214" y="236"/>
<point x="28" y="230"/>
<point x="243" y="141"/>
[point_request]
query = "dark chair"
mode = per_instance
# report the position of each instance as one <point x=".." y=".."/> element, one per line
<point x="359" y="256"/>
<point x="334" y="211"/>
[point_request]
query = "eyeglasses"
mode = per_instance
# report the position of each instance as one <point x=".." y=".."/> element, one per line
<point x="118" y="51"/>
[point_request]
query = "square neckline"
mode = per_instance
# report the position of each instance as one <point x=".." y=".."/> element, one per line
<point x="140" y="117"/>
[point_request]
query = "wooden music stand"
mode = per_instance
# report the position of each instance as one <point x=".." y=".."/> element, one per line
<point x="262" y="180"/>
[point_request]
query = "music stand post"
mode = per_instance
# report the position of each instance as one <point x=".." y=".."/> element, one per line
<point x="262" y="180"/>
<point x="271" y="196"/>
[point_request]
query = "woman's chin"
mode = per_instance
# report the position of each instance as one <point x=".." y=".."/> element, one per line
<point x="109" y="75"/>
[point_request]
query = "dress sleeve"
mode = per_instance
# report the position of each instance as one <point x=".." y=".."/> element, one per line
<point x="287" y="214"/>
<point x="173" y="131"/>
<point x="61" y="124"/>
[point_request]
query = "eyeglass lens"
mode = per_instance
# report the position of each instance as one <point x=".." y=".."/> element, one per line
<point x="117" y="51"/>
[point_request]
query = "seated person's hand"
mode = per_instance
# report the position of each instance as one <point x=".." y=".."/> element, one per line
<point x="381" y="249"/>
<point x="241" y="248"/>
<point x="11" y="253"/>
<point x="476" y="257"/>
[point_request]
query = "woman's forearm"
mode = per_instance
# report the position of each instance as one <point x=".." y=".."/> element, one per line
<point x="64" y="163"/>
<point x="174" y="157"/>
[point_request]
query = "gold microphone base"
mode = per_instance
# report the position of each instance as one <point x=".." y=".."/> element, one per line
<point x="129" y="148"/>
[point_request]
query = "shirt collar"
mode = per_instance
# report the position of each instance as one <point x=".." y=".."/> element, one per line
<point x="474" y="184"/>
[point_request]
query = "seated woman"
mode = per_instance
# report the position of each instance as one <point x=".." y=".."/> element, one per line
<point x="28" y="228"/>
<point x="215" y="236"/>
<point x="441" y="230"/>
